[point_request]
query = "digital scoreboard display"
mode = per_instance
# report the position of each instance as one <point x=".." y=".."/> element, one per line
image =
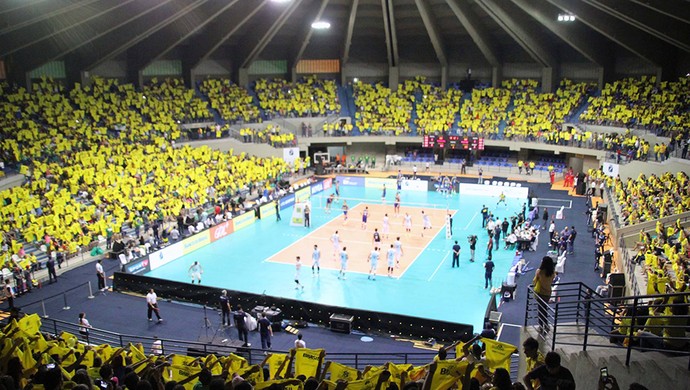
<point x="453" y="142"/>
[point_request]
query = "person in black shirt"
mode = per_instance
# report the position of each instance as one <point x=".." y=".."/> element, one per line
<point x="50" y="264"/>
<point x="485" y="215"/>
<point x="242" y="331"/>
<point x="488" y="272"/>
<point x="456" y="255"/>
<point x="225" y="307"/>
<point x="551" y="375"/>
<point x="265" y="331"/>
<point x="473" y="246"/>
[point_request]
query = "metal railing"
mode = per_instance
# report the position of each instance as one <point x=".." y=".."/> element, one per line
<point x="578" y="316"/>
<point x="77" y="292"/>
<point x="96" y="336"/>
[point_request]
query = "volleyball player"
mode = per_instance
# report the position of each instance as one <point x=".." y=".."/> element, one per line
<point x="365" y="216"/>
<point x="396" y="204"/>
<point x="386" y="226"/>
<point x="390" y="256"/>
<point x="337" y="190"/>
<point x="343" y="264"/>
<point x="298" y="268"/>
<point x="398" y="251"/>
<point x="195" y="272"/>
<point x="383" y="195"/>
<point x="374" y="260"/>
<point x="335" y="239"/>
<point x="407" y="223"/>
<point x="315" y="257"/>
<point x="329" y="201"/>
<point x="346" y="208"/>
<point x="376" y="240"/>
<point x="426" y="221"/>
<point x="502" y="199"/>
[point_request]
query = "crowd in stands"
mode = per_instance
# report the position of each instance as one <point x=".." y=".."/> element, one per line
<point x="484" y="111"/>
<point x="271" y="134"/>
<point x="382" y="111"/>
<point x="233" y="103"/>
<point x="649" y="198"/>
<point x="437" y="110"/>
<point x="85" y="181"/>
<point x="308" y="97"/>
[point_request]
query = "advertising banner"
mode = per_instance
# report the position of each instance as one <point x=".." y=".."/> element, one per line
<point x="415" y="185"/>
<point x="244" y="220"/>
<point x="190" y="244"/>
<point x="611" y="169"/>
<point x="266" y="210"/>
<point x="139" y="266"/>
<point x="302" y="194"/>
<point x="376" y="182"/>
<point x="316" y="188"/>
<point x="328" y="183"/>
<point x="287" y="201"/>
<point x="165" y="255"/>
<point x="350" y="181"/>
<point x="493" y="191"/>
<point x="221" y="230"/>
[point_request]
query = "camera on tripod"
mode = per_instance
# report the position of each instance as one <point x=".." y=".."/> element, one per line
<point x="472" y="239"/>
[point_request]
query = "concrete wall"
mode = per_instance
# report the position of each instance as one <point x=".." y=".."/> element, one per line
<point x="635" y="168"/>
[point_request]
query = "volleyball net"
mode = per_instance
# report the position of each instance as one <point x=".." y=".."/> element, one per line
<point x="319" y="201"/>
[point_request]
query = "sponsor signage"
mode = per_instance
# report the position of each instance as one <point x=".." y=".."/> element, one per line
<point x="316" y="188"/>
<point x="328" y="183"/>
<point x="493" y="191"/>
<point x="377" y="182"/>
<point x="140" y="266"/>
<point x="195" y="242"/>
<point x="287" y="201"/>
<point x="351" y="181"/>
<point x="290" y="154"/>
<point x="611" y="169"/>
<point x="414" y="185"/>
<point x="244" y="220"/>
<point x="165" y="255"/>
<point x="220" y="231"/>
<point x="267" y="210"/>
<point x="302" y="194"/>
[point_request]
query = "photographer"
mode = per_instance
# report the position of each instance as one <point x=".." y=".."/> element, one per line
<point x="472" y="240"/>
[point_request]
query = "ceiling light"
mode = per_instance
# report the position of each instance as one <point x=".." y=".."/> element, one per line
<point x="566" y="17"/>
<point x="320" y="25"/>
<point x="280" y="1"/>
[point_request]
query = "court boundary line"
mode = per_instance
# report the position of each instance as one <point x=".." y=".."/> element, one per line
<point x="438" y="267"/>
<point x="426" y="246"/>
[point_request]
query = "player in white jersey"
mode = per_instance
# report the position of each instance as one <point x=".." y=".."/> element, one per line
<point x="398" y="251"/>
<point x="374" y="260"/>
<point x="315" y="257"/>
<point x="390" y="256"/>
<point x="426" y="222"/>
<point x="298" y="268"/>
<point x="195" y="272"/>
<point x="386" y="226"/>
<point x="335" y="239"/>
<point x="407" y="222"/>
<point x="343" y="264"/>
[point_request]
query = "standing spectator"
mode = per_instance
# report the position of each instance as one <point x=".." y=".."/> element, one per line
<point x="266" y="331"/>
<point x="240" y="323"/>
<point x="156" y="346"/>
<point x="552" y="230"/>
<point x="100" y="274"/>
<point x="571" y="240"/>
<point x="152" y="303"/>
<point x="277" y="205"/>
<point x="456" y="255"/>
<point x="225" y="307"/>
<point x="542" y="287"/>
<point x="9" y="294"/>
<point x="480" y="180"/>
<point x="545" y="218"/>
<point x="50" y="264"/>
<point x="299" y="343"/>
<point x="84" y="325"/>
<point x="488" y="272"/>
<point x="533" y="358"/>
<point x="551" y="375"/>
<point x="473" y="246"/>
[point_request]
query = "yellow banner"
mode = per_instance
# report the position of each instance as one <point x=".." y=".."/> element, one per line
<point x="341" y="372"/>
<point x="195" y="242"/>
<point x="244" y="220"/>
<point x="445" y="374"/>
<point x="287" y="384"/>
<point x="277" y="365"/>
<point x="498" y="354"/>
<point x="308" y="361"/>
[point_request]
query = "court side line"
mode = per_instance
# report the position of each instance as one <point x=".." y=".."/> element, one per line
<point x="420" y="253"/>
<point x="471" y="220"/>
<point x="303" y="238"/>
<point x="439" y="266"/>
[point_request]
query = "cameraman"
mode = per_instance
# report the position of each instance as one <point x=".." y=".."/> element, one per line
<point x="473" y="245"/>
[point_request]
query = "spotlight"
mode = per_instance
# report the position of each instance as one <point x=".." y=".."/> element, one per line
<point x="566" y="17"/>
<point x="320" y="25"/>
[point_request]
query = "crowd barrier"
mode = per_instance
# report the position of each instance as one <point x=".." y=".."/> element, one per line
<point x="365" y="320"/>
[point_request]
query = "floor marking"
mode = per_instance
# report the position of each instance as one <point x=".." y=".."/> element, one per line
<point x="438" y="267"/>
<point x="471" y="220"/>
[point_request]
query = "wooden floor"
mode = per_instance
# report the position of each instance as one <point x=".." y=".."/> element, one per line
<point x="359" y="241"/>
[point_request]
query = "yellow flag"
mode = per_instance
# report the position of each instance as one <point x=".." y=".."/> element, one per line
<point x="328" y="384"/>
<point x="339" y="371"/>
<point x="498" y="354"/>
<point x="364" y="384"/>
<point x="417" y="373"/>
<point x="277" y="365"/>
<point x="308" y="361"/>
<point x="213" y="364"/>
<point x="182" y="360"/>
<point x="180" y="373"/>
<point x="287" y="384"/>
<point x="30" y="324"/>
<point x="235" y="362"/>
<point x="69" y="338"/>
<point x="444" y="374"/>
<point x="252" y="374"/>
<point x="136" y="353"/>
<point x="399" y="373"/>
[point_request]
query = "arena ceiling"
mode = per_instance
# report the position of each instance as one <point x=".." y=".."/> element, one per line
<point x="86" y="33"/>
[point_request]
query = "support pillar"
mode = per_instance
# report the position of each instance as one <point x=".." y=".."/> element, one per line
<point x="393" y="78"/>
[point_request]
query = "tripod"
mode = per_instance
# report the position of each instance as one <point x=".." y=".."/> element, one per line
<point x="208" y="326"/>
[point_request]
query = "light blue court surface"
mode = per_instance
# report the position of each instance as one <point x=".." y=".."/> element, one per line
<point x="429" y="288"/>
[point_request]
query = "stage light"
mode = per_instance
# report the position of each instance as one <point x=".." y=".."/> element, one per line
<point x="566" y="17"/>
<point x="320" y="25"/>
<point x="280" y="1"/>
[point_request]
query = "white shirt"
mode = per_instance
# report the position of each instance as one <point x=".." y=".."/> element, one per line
<point x="84" y="325"/>
<point x="300" y="344"/>
<point x="151" y="298"/>
<point x="99" y="268"/>
<point x="157" y="347"/>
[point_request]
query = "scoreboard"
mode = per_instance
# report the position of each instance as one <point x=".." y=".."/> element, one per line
<point x="453" y="142"/>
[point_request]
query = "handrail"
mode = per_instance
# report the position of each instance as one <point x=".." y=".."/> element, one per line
<point x="578" y="316"/>
<point x="97" y="336"/>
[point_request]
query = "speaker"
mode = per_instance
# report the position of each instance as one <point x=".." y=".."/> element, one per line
<point x="341" y="323"/>
<point x="603" y="211"/>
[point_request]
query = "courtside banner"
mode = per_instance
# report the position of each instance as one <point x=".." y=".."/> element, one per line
<point x="488" y="190"/>
<point x="287" y="201"/>
<point x="316" y="188"/>
<point x="165" y="255"/>
<point x="139" y="266"/>
<point x="350" y="181"/>
<point x="328" y="183"/>
<point x="195" y="242"/>
<point x="302" y="194"/>
<point x="377" y="182"/>
<point x="611" y="169"/>
<point x="266" y="210"/>
<point x="221" y="230"/>
<point x="415" y="185"/>
<point x="244" y="220"/>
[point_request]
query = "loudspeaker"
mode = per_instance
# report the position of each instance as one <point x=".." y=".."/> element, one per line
<point x="603" y="212"/>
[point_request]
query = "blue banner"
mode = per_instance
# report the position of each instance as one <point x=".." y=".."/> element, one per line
<point x="316" y="188"/>
<point x="287" y="201"/>
<point x="140" y="266"/>
<point x="351" y="181"/>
